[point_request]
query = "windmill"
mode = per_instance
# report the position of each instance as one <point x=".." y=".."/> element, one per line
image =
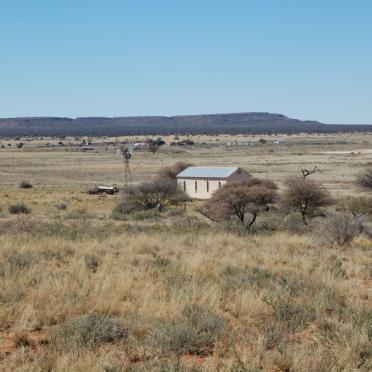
<point x="126" y="151"/>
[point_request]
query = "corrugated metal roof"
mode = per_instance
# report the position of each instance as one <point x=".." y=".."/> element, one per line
<point x="207" y="172"/>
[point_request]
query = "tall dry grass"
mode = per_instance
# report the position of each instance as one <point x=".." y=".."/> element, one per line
<point x="274" y="302"/>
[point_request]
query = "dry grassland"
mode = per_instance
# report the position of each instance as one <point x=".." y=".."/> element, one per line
<point x="82" y="292"/>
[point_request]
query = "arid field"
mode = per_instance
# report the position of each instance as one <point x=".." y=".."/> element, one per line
<point x="174" y="291"/>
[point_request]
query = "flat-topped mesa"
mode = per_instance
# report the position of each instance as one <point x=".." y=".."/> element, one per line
<point x="234" y="123"/>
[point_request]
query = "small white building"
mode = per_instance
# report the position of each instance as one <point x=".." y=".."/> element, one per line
<point x="202" y="182"/>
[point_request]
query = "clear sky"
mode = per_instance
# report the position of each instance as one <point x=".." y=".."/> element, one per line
<point x="308" y="59"/>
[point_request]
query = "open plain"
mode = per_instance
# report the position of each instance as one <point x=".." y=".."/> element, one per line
<point x="81" y="291"/>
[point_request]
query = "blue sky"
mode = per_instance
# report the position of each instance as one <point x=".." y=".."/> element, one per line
<point x="309" y="59"/>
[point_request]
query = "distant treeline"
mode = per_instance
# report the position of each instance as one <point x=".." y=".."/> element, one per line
<point x="241" y="123"/>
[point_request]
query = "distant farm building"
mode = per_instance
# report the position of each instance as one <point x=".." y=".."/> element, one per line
<point x="202" y="182"/>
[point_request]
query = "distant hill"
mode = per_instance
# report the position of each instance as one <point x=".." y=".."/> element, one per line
<point x="241" y="123"/>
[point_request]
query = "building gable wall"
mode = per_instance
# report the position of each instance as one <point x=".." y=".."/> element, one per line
<point x="239" y="176"/>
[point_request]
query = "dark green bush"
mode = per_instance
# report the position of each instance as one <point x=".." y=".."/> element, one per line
<point x="25" y="185"/>
<point x="19" y="208"/>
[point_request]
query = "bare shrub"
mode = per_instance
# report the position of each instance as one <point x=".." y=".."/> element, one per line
<point x="357" y="206"/>
<point x="272" y="334"/>
<point x="19" y="208"/>
<point x="364" y="180"/>
<point x="25" y="185"/>
<point x="171" y="171"/>
<point x="89" y="331"/>
<point x="243" y="201"/>
<point x="304" y="196"/>
<point x="341" y="228"/>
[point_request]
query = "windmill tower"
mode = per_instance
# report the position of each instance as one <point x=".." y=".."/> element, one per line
<point x="126" y="152"/>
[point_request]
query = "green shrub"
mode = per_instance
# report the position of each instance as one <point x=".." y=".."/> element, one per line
<point x="267" y="223"/>
<point x="19" y="208"/>
<point x="248" y="277"/>
<point x="20" y="261"/>
<point x="161" y="262"/>
<point x="80" y="214"/>
<point x="49" y="255"/>
<point x="89" y="331"/>
<point x="124" y="208"/>
<point x="293" y="223"/>
<point x="329" y="301"/>
<point x="145" y="215"/>
<point x="194" y="332"/>
<point x="294" y="316"/>
<point x="255" y="277"/>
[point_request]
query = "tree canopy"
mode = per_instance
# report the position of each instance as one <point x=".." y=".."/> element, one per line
<point x="243" y="200"/>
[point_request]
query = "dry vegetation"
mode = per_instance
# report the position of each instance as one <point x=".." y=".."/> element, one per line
<point x="82" y="291"/>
